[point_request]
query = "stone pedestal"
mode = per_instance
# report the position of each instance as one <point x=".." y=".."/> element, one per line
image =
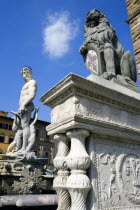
<point x="23" y="177"/>
<point x="102" y="121"/>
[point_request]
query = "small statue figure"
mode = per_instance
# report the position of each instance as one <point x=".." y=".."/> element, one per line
<point x="25" y="132"/>
<point x="103" y="54"/>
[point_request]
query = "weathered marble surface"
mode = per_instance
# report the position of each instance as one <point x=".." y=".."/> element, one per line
<point x="24" y="177"/>
<point x="28" y="200"/>
<point x="24" y="130"/>
<point x="114" y="173"/>
<point x="60" y="180"/>
<point x="102" y="121"/>
<point x="103" y="54"/>
<point x="78" y="100"/>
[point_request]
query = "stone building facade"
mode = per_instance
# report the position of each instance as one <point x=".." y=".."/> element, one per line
<point x="6" y="133"/>
<point x="133" y="8"/>
<point x="43" y="145"/>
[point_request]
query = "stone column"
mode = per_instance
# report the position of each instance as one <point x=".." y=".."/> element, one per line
<point x="78" y="161"/>
<point x="59" y="182"/>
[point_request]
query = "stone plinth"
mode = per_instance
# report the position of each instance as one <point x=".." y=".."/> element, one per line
<point x="102" y="121"/>
<point x="24" y="177"/>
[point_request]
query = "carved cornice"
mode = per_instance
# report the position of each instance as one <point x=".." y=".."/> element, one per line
<point x="55" y="89"/>
<point x="108" y="93"/>
<point x="95" y="126"/>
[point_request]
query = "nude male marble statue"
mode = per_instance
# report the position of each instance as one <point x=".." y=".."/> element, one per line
<point x="26" y="105"/>
<point x="21" y="124"/>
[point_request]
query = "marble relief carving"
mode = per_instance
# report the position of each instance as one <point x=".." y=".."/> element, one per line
<point x="67" y="108"/>
<point x="95" y="110"/>
<point x="30" y="182"/>
<point x="109" y="190"/>
<point x="128" y="175"/>
<point x="118" y="176"/>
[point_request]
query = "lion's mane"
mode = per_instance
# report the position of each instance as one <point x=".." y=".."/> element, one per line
<point x="101" y="33"/>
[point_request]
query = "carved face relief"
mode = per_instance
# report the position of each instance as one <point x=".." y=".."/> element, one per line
<point x="129" y="177"/>
<point x="92" y="62"/>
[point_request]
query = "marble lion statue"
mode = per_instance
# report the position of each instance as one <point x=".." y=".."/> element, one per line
<point x="101" y="37"/>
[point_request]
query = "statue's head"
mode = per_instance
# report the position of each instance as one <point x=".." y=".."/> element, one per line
<point x="26" y="73"/>
<point x="94" y="17"/>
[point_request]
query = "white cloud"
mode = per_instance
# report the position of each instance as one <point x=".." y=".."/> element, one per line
<point x="58" y="33"/>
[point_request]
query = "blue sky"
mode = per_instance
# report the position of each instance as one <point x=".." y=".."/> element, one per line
<point x="26" y="26"/>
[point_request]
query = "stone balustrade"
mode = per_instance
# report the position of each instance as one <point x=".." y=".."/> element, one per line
<point x="78" y="161"/>
<point x="62" y="147"/>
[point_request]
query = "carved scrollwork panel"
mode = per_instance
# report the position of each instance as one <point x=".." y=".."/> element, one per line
<point x="117" y="174"/>
<point x="128" y="176"/>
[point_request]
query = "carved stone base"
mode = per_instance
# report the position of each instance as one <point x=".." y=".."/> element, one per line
<point x="24" y="177"/>
<point x="110" y="114"/>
